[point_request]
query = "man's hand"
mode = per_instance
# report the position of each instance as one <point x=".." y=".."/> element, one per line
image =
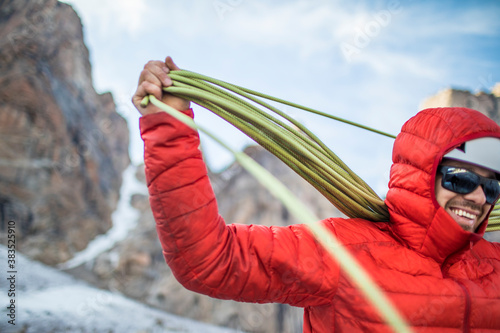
<point x="153" y="78"/>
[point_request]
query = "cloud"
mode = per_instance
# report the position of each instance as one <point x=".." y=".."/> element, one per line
<point x="302" y="26"/>
<point x="111" y="18"/>
<point x="393" y="64"/>
<point x="444" y="21"/>
<point x="347" y="34"/>
<point x="305" y="27"/>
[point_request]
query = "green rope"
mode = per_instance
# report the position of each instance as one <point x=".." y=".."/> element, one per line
<point x="296" y="145"/>
<point x="290" y="141"/>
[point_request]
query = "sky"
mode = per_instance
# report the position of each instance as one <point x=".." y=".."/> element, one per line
<point x="372" y="62"/>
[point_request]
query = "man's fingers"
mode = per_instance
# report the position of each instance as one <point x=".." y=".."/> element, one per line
<point x="154" y="63"/>
<point x="159" y="70"/>
<point x="152" y="89"/>
<point x="144" y="89"/>
<point x="152" y="79"/>
<point x="170" y="64"/>
<point x="147" y="68"/>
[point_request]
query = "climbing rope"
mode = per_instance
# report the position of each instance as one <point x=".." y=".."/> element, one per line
<point x="494" y="219"/>
<point x="290" y="141"/>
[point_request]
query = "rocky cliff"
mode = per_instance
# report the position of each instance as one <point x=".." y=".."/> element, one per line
<point x="487" y="103"/>
<point x="63" y="146"/>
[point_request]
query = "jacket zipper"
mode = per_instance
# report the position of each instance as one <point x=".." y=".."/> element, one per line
<point x="467" y="306"/>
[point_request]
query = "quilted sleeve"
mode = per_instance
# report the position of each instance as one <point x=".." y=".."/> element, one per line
<point x="241" y="262"/>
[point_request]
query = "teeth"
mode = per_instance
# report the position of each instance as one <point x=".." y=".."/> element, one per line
<point x="462" y="213"/>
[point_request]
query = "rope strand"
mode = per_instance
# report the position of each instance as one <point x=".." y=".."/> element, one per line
<point x="290" y="141"/>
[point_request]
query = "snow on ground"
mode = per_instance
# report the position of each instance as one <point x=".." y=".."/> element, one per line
<point x="124" y="219"/>
<point x="48" y="300"/>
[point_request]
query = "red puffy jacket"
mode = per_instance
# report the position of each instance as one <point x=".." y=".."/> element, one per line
<point x="440" y="277"/>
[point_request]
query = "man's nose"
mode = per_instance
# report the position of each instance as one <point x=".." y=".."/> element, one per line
<point x="477" y="196"/>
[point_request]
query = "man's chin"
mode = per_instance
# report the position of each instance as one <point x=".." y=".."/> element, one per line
<point x="465" y="223"/>
<point x="467" y="227"/>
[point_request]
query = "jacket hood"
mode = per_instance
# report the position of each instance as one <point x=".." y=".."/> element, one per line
<point x="417" y="218"/>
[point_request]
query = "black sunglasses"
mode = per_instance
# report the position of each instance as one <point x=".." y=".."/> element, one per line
<point x="463" y="181"/>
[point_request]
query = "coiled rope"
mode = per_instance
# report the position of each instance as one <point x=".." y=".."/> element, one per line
<point x="291" y="142"/>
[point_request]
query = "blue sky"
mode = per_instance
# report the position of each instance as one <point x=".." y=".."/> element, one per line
<point x="372" y="62"/>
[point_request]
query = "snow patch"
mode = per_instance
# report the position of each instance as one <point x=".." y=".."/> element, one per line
<point x="124" y="218"/>
<point x="48" y="300"/>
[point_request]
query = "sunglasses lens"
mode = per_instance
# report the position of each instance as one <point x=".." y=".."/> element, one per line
<point x="460" y="181"/>
<point x="492" y="191"/>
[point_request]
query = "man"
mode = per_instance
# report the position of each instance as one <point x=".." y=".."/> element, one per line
<point x="430" y="258"/>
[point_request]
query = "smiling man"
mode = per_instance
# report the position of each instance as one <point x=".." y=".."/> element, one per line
<point x="467" y="191"/>
<point x="429" y="258"/>
<point x="467" y="184"/>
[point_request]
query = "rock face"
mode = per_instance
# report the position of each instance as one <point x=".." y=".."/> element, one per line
<point x="487" y="103"/>
<point x="64" y="147"/>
